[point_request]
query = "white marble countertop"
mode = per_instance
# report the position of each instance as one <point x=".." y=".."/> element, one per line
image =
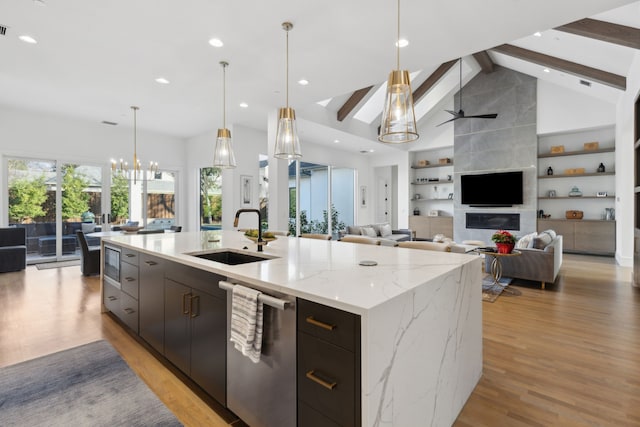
<point x="326" y="272"/>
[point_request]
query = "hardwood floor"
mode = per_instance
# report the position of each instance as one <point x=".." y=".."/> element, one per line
<point x="565" y="356"/>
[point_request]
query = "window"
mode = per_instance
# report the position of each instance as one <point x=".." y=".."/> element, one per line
<point x="210" y="198"/>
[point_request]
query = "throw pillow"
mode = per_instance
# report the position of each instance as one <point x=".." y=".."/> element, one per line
<point x="368" y="231"/>
<point x="385" y="230"/>
<point x="438" y="238"/>
<point x="542" y="240"/>
<point x="525" y="241"/>
<point x="550" y="232"/>
<point x="354" y="229"/>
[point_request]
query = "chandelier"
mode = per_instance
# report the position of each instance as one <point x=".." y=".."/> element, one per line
<point x="135" y="171"/>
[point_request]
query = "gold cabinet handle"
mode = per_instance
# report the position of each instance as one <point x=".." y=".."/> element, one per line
<point x="194" y="313"/>
<point x="328" y="385"/>
<point x="327" y="326"/>
<point x="185" y="310"/>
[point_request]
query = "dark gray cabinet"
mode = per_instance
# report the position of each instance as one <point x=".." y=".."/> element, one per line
<point x="195" y="327"/>
<point x="151" y="300"/>
<point x="122" y="301"/>
<point x="328" y="351"/>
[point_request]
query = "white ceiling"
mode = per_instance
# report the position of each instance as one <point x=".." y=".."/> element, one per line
<point x="95" y="59"/>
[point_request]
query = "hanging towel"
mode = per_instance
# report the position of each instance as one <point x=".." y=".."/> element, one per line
<point x="246" y="322"/>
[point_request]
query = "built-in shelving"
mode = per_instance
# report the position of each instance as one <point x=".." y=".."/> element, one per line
<point x="432" y="182"/>
<point x="577" y="153"/>
<point x="575" y="175"/>
<point x="435" y="165"/>
<point x="576" y="198"/>
<point x="425" y="199"/>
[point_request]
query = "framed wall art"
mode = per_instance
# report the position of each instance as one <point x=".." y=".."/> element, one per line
<point x="246" y="184"/>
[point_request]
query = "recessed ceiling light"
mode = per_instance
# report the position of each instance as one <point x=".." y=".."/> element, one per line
<point x="402" y="43"/>
<point x="28" y="39"/>
<point x="40" y="2"/>
<point x="244" y="105"/>
<point x="537" y="34"/>
<point x="336" y="141"/>
<point x="371" y="150"/>
<point x="162" y="80"/>
<point x="216" y="42"/>
<point x="303" y="82"/>
<point x="546" y="70"/>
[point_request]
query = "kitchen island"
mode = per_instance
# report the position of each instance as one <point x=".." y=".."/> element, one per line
<point x="420" y="317"/>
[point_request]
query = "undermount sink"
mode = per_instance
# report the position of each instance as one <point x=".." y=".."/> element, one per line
<point x="230" y="257"/>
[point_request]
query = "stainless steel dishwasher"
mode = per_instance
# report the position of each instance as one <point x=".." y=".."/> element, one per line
<point x="264" y="393"/>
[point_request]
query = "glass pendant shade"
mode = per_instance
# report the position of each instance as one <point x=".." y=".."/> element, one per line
<point x="398" y="118"/>
<point x="287" y="142"/>
<point x="223" y="156"/>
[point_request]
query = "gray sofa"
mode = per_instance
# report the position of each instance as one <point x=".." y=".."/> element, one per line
<point x="379" y="228"/>
<point x="541" y="265"/>
<point x="13" y="249"/>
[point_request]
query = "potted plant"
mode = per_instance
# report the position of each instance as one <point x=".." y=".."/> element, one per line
<point x="504" y="241"/>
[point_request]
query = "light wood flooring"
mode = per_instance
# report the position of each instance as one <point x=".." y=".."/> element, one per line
<point x="565" y="356"/>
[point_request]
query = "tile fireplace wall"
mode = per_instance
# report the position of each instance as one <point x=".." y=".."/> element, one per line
<point x="508" y="143"/>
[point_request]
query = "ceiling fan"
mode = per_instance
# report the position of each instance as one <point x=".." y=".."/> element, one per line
<point x="460" y="113"/>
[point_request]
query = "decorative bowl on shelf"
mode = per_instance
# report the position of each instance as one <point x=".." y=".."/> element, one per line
<point x="130" y="228"/>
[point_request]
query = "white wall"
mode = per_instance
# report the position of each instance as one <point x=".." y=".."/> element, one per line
<point x="248" y="144"/>
<point x="625" y="166"/>
<point x="561" y="109"/>
<point x="47" y="136"/>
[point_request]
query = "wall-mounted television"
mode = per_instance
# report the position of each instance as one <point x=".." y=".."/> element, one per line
<point x="497" y="189"/>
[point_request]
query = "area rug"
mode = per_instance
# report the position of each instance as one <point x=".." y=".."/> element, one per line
<point x="88" y="385"/>
<point x="490" y="290"/>
<point x="47" y="265"/>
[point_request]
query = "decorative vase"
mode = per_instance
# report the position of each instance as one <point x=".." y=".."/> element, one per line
<point x="505" y="248"/>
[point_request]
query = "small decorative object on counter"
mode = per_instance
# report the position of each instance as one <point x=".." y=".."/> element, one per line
<point x="590" y="146"/>
<point x="549" y="170"/>
<point x="601" y="167"/>
<point x="601" y="194"/>
<point x="504" y="241"/>
<point x="555" y="149"/>
<point x="574" y="214"/>
<point x="417" y="196"/>
<point x="551" y="193"/>
<point x="423" y="162"/>
<point x="609" y="214"/>
<point x="416" y="211"/>
<point x="575" y="192"/>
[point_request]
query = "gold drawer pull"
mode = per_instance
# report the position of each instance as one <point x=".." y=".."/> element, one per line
<point x="330" y="386"/>
<point x="327" y="326"/>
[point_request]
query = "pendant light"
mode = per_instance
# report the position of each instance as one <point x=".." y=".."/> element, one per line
<point x="398" y="118"/>
<point x="287" y="142"/>
<point x="135" y="172"/>
<point x="223" y="156"/>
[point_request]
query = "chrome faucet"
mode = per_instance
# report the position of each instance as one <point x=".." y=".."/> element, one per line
<point x="235" y="224"/>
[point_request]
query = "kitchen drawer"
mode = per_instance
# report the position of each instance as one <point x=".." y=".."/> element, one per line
<point x="309" y="417"/>
<point x="111" y="297"/>
<point x="129" y="279"/>
<point x="330" y="324"/>
<point x="129" y="311"/>
<point x="333" y="365"/>
<point x="130" y="256"/>
<point x="201" y="280"/>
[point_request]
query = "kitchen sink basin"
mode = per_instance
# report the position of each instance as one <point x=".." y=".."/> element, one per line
<point x="230" y="257"/>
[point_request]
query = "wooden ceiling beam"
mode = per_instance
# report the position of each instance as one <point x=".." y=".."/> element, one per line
<point x="604" y="31"/>
<point x="432" y="80"/>
<point x="579" y="70"/>
<point x="351" y="103"/>
<point x="484" y="60"/>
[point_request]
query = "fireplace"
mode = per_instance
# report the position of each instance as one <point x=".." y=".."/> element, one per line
<point x="493" y="221"/>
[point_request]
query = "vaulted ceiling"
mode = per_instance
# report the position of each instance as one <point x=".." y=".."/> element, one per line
<point x="95" y="59"/>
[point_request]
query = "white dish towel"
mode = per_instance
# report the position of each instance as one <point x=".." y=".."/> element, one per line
<point x="246" y="322"/>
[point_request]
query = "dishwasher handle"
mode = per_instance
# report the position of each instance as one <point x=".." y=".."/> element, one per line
<point x="274" y="302"/>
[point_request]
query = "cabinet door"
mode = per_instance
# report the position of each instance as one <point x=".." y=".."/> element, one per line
<point x="151" y="300"/>
<point x="420" y="226"/>
<point x="564" y="228"/>
<point x="442" y="225"/>
<point x="208" y="344"/>
<point x="176" y="324"/>
<point x="595" y="237"/>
